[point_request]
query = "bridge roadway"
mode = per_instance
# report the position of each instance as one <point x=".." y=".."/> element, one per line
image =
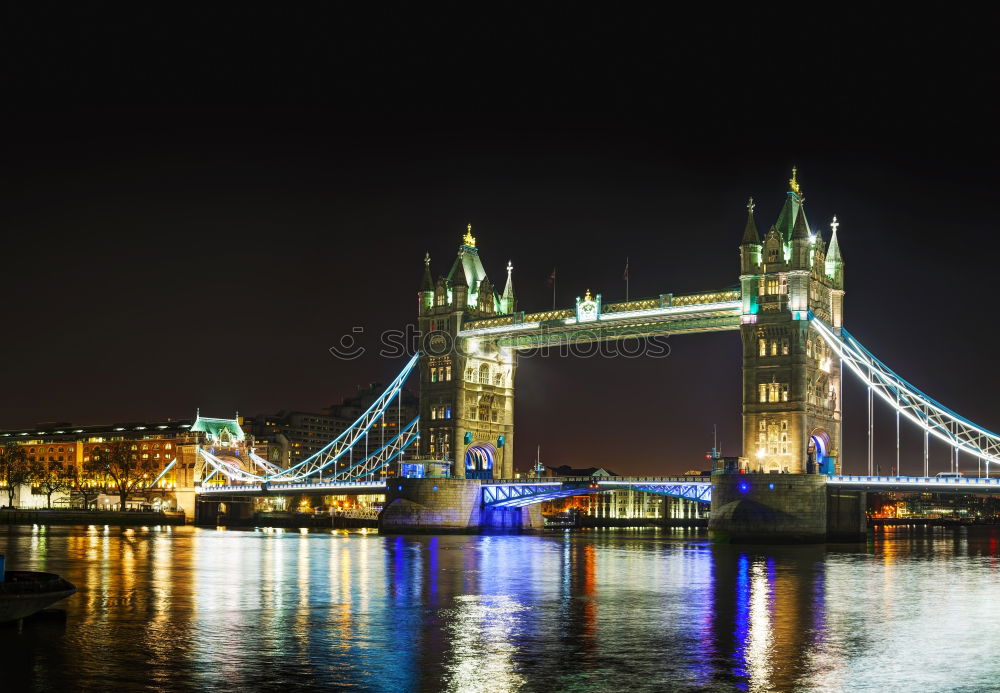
<point x="522" y="492"/>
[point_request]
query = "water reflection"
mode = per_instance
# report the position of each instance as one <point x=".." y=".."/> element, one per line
<point x="187" y="609"/>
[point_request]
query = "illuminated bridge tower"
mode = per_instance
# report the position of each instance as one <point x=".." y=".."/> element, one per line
<point x="466" y="385"/>
<point x="791" y="378"/>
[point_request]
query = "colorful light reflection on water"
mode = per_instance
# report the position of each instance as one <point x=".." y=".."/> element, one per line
<point x="195" y="609"/>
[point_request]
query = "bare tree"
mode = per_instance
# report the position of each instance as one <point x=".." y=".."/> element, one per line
<point x="121" y="462"/>
<point x="14" y="469"/>
<point x="55" y="477"/>
<point x="87" y="488"/>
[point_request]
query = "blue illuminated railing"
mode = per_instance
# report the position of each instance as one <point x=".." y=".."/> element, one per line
<point x="928" y="483"/>
<point x="521" y="492"/>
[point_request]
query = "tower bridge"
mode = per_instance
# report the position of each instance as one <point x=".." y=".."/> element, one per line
<point x="789" y="485"/>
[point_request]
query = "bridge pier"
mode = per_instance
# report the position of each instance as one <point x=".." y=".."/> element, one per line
<point x="768" y="508"/>
<point x="221" y="510"/>
<point x="846" y="519"/>
<point x="447" y="505"/>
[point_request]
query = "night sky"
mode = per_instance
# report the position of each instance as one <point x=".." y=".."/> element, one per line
<point x="195" y="208"/>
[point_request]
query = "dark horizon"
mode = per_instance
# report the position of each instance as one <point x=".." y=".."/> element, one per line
<point x="180" y="235"/>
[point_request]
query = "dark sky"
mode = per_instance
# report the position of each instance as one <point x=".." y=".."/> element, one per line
<point x="196" y="207"/>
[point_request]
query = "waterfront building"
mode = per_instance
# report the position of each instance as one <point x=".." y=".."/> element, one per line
<point x="628" y="504"/>
<point x="168" y="449"/>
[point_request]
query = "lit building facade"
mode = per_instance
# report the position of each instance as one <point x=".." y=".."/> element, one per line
<point x="791" y="377"/>
<point x="628" y="504"/>
<point x="168" y="450"/>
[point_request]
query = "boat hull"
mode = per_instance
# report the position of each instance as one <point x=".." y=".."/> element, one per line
<point x="24" y="593"/>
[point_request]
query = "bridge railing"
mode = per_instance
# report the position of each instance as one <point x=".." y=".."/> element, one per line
<point x="375" y="485"/>
<point x="602" y="479"/>
<point x="916" y="481"/>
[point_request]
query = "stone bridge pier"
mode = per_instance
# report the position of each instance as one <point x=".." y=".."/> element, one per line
<point x="784" y="509"/>
<point x="448" y="505"/>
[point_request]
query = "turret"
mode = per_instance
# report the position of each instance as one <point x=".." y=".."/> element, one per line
<point x="466" y="275"/>
<point x="801" y="244"/>
<point x="427" y="286"/>
<point x="508" y="302"/>
<point x="750" y="245"/>
<point x="834" y="260"/>
<point x="459" y="287"/>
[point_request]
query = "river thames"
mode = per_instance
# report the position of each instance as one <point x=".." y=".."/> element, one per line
<point x="214" y="610"/>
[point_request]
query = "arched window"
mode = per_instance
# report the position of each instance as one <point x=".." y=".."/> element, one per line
<point x="469" y="374"/>
<point x="498" y="379"/>
<point x="484" y="374"/>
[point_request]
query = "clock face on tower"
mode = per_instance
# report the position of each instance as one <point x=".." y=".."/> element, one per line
<point x="437" y="345"/>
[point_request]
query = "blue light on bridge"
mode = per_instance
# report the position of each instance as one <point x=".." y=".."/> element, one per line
<point x="744" y="487"/>
<point x="771" y="486"/>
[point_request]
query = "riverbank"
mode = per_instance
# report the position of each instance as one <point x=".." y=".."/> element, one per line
<point x="18" y="516"/>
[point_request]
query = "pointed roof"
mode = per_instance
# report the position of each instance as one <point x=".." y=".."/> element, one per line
<point x="790" y="210"/>
<point x="833" y="253"/>
<point x="508" y="290"/>
<point x="428" y="282"/>
<point x="750" y="234"/>
<point x="215" y="427"/>
<point x="801" y="228"/>
<point x="468" y="259"/>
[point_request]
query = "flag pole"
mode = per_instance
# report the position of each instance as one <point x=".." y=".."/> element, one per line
<point x="626" y="278"/>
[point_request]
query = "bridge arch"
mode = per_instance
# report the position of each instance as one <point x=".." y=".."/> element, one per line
<point x="480" y="458"/>
<point x="818" y="449"/>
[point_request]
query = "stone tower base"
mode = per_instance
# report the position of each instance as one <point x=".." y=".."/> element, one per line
<point x="768" y="508"/>
<point x="447" y="505"/>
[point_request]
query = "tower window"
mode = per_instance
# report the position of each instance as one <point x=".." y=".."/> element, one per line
<point x="762" y="347"/>
<point x="774" y="347"/>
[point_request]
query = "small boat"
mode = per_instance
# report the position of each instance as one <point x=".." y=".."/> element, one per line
<point x="23" y="593"/>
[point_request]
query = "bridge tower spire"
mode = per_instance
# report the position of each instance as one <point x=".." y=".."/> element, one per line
<point x="466" y="384"/>
<point x="750" y="245"/>
<point x="509" y="302"/>
<point x="426" y="286"/>
<point x="791" y="379"/>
